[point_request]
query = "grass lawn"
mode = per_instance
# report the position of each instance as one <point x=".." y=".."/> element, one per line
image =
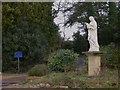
<point x="72" y="79"/>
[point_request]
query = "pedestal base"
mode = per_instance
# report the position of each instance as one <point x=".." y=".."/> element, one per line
<point x="94" y="63"/>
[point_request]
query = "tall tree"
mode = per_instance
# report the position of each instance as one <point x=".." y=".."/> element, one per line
<point x="80" y="44"/>
<point x="104" y="13"/>
<point x="28" y="27"/>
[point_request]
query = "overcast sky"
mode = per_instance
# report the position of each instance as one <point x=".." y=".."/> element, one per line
<point x="67" y="31"/>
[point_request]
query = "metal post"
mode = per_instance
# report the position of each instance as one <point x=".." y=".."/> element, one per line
<point x="18" y="65"/>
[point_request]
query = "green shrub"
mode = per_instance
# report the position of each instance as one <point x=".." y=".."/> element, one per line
<point x="62" y="60"/>
<point x="110" y="57"/>
<point x="38" y="70"/>
<point x="63" y="79"/>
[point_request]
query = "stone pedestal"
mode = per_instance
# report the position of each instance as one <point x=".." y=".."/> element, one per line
<point x="94" y="63"/>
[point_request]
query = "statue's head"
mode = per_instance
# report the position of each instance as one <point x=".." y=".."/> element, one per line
<point x="91" y="18"/>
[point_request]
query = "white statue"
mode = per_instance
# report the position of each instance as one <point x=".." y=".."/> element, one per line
<point x="92" y="34"/>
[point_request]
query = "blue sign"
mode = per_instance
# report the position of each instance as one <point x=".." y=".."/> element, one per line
<point x="18" y="54"/>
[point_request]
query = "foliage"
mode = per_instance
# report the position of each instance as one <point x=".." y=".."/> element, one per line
<point x="38" y="70"/>
<point x="67" y="45"/>
<point x="109" y="79"/>
<point x="62" y="60"/>
<point x="80" y="44"/>
<point x="110" y="32"/>
<point x="110" y="56"/>
<point x="103" y="12"/>
<point x="28" y="27"/>
<point x="62" y="80"/>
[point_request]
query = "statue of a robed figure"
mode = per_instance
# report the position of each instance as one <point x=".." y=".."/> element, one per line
<point x="93" y="55"/>
<point x="92" y="34"/>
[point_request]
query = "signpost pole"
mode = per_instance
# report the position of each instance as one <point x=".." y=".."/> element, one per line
<point x="18" y="64"/>
<point x="18" y="55"/>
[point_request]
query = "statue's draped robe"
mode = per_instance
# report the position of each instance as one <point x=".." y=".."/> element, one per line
<point x="92" y="36"/>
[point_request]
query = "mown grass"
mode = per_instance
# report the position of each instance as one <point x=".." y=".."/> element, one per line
<point x="80" y="79"/>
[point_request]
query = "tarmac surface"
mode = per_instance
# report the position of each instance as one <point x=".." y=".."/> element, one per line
<point x="7" y="81"/>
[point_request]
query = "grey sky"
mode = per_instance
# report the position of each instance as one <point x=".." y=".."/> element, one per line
<point x="60" y="20"/>
<point x="68" y="31"/>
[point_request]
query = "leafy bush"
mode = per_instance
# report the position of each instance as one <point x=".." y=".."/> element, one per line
<point x="38" y="70"/>
<point x="110" y="57"/>
<point x="62" y="80"/>
<point x="62" y="60"/>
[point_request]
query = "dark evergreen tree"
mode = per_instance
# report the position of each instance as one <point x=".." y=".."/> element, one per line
<point x="28" y="27"/>
<point x="80" y="44"/>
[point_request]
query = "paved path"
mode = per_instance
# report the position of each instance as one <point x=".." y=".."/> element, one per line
<point x="12" y="79"/>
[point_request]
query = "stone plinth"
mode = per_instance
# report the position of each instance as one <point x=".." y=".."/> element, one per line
<point x="94" y="63"/>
